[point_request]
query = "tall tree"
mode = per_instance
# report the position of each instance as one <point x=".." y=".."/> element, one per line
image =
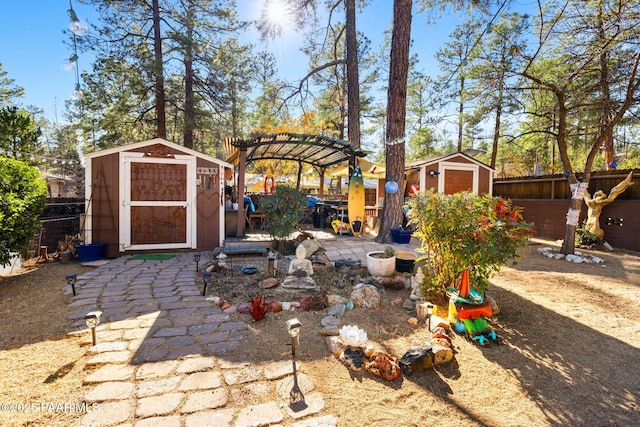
<point x="396" y="116"/>
<point x="18" y="133"/>
<point x="571" y="34"/>
<point x="422" y="142"/>
<point x="172" y="44"/>
<point x="9" y="91"/>
<point x="454" y="58"/>
<point x="491" y="75"/>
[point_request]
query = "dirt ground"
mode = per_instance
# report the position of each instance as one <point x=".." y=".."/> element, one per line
<point x="570" y="356"/>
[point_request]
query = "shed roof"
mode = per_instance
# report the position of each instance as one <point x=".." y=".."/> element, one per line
<point x="321" y="151"/>
<point x="417" y="164"/>
<point x="151" y="142"/>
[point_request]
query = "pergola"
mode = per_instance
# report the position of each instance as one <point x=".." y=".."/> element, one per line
<point x="320" y="151"/>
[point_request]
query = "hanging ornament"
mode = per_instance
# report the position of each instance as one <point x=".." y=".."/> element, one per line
<point x="391" y="187"/>
<point x="613" y="164"/>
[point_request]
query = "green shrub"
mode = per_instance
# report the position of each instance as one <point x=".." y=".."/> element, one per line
<point x="585" y="237"/>
<point x="464" y="231"/>
<point x="22" y="200"/>
<point x="282" y="213"/>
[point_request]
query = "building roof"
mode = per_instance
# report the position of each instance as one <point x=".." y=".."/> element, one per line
<point x="417" y="164"/>
<point x="155" y="141"/>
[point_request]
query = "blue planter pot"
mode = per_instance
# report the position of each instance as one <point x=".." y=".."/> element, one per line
<point x="401" y="235"/>
<point x="91" y="252"/>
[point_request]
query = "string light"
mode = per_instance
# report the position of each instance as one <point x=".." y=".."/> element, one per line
<point x="36" y="158"/>
<point x="396" y="141"/>
<point x="79" y="29"/>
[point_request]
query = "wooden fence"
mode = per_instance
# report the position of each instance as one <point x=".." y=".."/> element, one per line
<point x="546" y="200"/>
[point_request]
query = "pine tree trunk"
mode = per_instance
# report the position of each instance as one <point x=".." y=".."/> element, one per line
<point x="353" y="83"/>
<point x="189" y="101"/>
<point x="396" y="114"/>
<point x="158" y="73"/>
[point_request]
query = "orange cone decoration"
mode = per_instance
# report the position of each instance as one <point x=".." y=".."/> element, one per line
<point x="464" y="285"/>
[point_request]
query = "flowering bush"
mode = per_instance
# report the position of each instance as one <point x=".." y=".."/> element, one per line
<point x="464" y="231"/>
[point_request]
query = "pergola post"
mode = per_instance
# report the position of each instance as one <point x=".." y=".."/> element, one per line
<point x="321" y="193"/>
<point x="242" y="164"/>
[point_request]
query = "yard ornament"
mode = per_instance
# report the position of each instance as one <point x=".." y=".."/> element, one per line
<point x="600" y="200"/>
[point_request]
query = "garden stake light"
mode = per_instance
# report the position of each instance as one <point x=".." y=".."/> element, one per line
<point x="71" y="280"/>
<point x="430" y="308"/>
<point x="271" y="263"/>
<point x="196" y="258"/>
<point x="293" y="327"/>
<point x="205" y="277"/>
<point x="92" y="319"/>
<point x="296" y="398"/>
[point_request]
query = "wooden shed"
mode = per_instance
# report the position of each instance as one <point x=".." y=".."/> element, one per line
<point x="450" y="174"/>
<point x="153" y="195"/>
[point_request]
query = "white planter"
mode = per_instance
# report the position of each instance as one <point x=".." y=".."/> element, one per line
<point x="14" y="264"/>
<point x="383" y="267"/>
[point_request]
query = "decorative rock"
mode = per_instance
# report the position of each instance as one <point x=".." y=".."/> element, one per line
<point x="439" y="322"/>
<point x="334" y="344"/>
<point x="409" y="304"/>
<point x="412" y="321"/>
<point x="348" y="262"/>
<point x="244" y="308"/>
<point x="495" y="309"/>
<point x="366" y="296"/>
<point x="330" y="331"/>
<point x="274" y="306"/>
<point x="269" y="283"/>
<point x="417" y="358"/>
<point x="286" y="306"/>
<point x="352" y="357"/>
<point x="574" y="258"/>
<point x="337" y="310"/>
<point x="295" y="304"/>
<point x="336" y="299"/>
<point x="441" y="354"/>
<point x="397" y="302"/>
<point x="383" y="365"/>
<point x="369" y="350"/>
<point x="231" y="309"/>
<point x="330" y="321"/>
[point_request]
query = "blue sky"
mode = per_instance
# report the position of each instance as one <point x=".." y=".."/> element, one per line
<point x="32" y="47"/>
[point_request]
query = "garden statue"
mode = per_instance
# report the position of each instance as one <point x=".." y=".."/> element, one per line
<point x="300" y="270"/>
<point x="600" y="200"/>
<point x="416" y="285"/>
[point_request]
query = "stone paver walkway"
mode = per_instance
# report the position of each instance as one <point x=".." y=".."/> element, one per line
<point x="165" y="354"/>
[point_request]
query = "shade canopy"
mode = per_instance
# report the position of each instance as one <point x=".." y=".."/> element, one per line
<point x="321" y="151"/>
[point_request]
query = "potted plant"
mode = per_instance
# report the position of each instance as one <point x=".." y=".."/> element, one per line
<point x="382" y="263"/>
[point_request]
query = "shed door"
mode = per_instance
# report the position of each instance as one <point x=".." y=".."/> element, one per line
<point x="156" y="212"/>
<point x="456" y="181"/>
